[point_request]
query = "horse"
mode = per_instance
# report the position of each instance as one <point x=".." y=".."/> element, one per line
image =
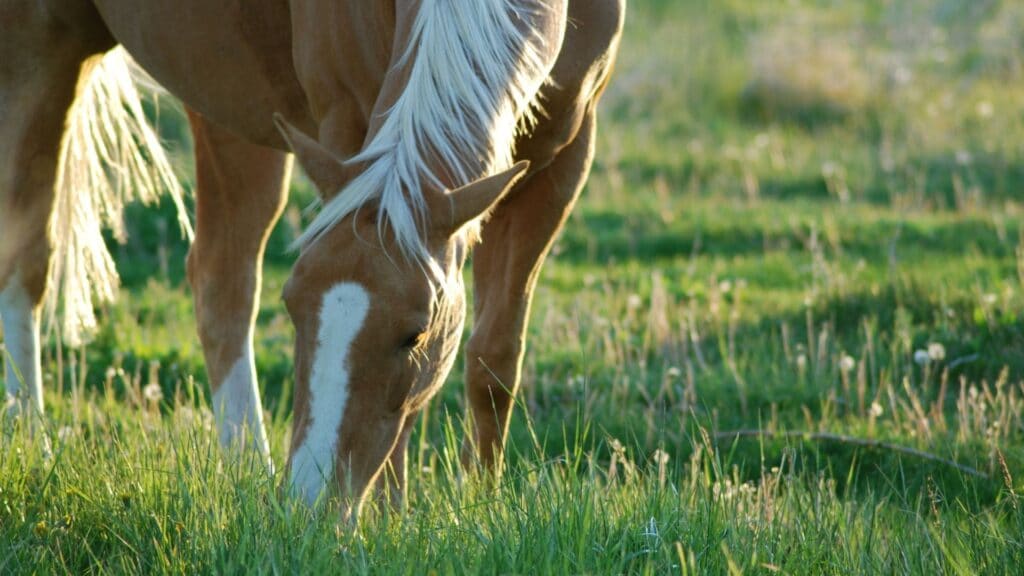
<point x="430" y="128"/>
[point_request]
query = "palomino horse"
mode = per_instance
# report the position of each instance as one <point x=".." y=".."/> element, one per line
<point x="428" y="127"/>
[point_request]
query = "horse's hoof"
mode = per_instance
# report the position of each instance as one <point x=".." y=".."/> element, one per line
<point x="12" y="416"/>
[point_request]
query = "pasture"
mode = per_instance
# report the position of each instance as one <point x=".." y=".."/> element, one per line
<point x="782" y="333"/>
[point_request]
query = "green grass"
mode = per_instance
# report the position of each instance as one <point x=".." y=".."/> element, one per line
<point x="791" y="199"/>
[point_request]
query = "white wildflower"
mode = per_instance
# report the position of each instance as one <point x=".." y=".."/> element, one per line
<point x="847" y="363"/>
<point x="921" y="357"/>
<point x="153" y="392"/>
<point x="876" y="410"/>
<point x="634" y="301"/>
<point x="936" y="351"/>
<point x="801" y="361"/>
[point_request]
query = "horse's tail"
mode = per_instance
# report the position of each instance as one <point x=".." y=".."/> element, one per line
<point x="109" y="157"/>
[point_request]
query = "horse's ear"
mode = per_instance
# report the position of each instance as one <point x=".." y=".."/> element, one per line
<point x="327" y="171"/>
<point x="477" y="198"/>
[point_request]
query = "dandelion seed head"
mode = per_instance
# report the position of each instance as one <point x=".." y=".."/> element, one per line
<point x="847" y="363"/>
<point x="153" y="392"/>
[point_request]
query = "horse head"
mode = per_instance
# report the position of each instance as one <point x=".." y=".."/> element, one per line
<point x="377" y="332"/>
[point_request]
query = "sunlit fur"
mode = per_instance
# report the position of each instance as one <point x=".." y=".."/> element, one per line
<point x="110" y="156"/>
<point x="475" y="69"/>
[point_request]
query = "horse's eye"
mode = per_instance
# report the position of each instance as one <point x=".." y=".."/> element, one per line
<point x="413" y="340"/>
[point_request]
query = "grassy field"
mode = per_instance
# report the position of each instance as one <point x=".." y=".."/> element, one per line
<point x="783" y="333"/>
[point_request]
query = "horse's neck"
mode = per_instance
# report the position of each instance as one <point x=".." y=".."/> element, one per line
<point x="351" y="95"/>
<point x="440" y="102"/>
<point x="457" y="78"/>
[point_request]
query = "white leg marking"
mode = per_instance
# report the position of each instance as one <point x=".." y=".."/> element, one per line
<point x="342" y="315"/>
<point x="21" y="340"/>
<point x="237" y="406"/>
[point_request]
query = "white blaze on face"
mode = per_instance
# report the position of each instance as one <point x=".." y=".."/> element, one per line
<point x="342" y="314"/>
<point x="21" y="341"/>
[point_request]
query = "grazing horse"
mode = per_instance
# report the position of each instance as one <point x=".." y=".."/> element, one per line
<point x="429" y="127"/>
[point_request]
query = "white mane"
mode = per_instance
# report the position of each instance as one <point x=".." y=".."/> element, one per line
<point x="475" y="68"/>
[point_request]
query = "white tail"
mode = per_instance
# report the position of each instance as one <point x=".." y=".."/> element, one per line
<point x="110" y="156"/>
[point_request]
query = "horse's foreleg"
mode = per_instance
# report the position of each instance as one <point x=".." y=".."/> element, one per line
<point x="37" y="87"/>
<point x="505" y="268"/>
<point x="241" y="190"/>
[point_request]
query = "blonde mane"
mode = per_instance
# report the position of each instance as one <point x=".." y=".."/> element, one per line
<point x="474" y="71"/>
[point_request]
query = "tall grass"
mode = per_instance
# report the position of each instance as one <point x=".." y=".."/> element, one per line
<point x="130" y="491"/>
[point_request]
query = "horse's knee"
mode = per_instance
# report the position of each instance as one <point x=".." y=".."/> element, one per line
<point x="490" y="367"/>
<point x="34" y="271"/>
<point x="25" y="258"/>
<point x="224" y="302"/>
<point x="200" y="282"/>
<point x="220" y="279"/>
<point x="220" y="321"/>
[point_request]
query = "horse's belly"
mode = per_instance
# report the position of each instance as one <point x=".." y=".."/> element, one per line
<point x="230" y="61"/>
